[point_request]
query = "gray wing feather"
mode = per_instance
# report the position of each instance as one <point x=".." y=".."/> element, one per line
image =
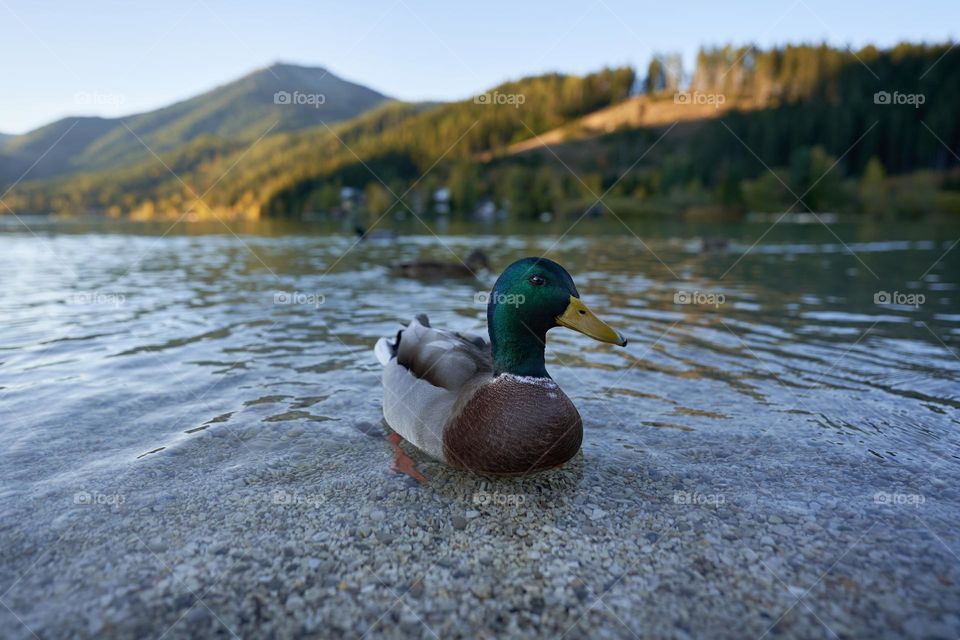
<point x="424" y="373"/>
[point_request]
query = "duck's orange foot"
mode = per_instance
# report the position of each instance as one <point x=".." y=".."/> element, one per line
<point x="402" y="463"/>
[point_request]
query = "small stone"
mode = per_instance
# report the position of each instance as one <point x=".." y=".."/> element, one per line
<point x="459" y="522"/>
<point x="481" y="590"/>
<point x="775" y="519"/>
<point x="416" y="589"/>
<point x="470" y="515"/>
<point x="199" y="616"/>
<point x="579" y="589"/>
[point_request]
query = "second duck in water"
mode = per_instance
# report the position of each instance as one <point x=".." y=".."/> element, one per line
<point x="437" y="269"/>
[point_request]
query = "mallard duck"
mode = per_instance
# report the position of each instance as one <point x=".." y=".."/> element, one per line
<point x="490" y="406"/>
<point x="381" y="235"/>
<point x="435" y="269"/>
<point x="713" y="244"/>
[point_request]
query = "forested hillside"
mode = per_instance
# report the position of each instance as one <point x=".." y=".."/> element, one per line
<point x="871" y="130"/>
<point x="397" y="141"/>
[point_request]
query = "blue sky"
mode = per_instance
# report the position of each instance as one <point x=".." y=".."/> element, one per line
<point x="132" y="57"/>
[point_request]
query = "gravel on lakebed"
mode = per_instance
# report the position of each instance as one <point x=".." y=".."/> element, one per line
<point x="280" y="529"/>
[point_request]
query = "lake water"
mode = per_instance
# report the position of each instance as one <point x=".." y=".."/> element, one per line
<point x="813" y="373"/>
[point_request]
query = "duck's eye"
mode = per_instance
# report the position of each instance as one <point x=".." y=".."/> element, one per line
<point x="537" y="281"/>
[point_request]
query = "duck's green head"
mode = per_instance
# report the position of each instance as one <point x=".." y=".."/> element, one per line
<point x="532" y="296"/>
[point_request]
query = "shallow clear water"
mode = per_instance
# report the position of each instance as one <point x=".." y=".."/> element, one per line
<point x="122" y="345"/>
<point x="117" y="341"/>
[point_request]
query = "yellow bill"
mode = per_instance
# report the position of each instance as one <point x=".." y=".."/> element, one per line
<point x="579" y="318"/>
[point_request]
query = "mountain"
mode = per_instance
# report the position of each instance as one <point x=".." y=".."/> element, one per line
<point x="6" y="163"/>
<point x="54" y="145"/>
<point x="286" y="171"/>
<point x="282" y="97"/>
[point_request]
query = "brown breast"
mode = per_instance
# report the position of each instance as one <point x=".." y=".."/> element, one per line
<point x="514" y="425"/>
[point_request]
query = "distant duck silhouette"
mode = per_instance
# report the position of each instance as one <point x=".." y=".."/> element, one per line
<point x="475" y="261"/>
<point x="713" y="244"/>
<point x="378" y="234"/>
